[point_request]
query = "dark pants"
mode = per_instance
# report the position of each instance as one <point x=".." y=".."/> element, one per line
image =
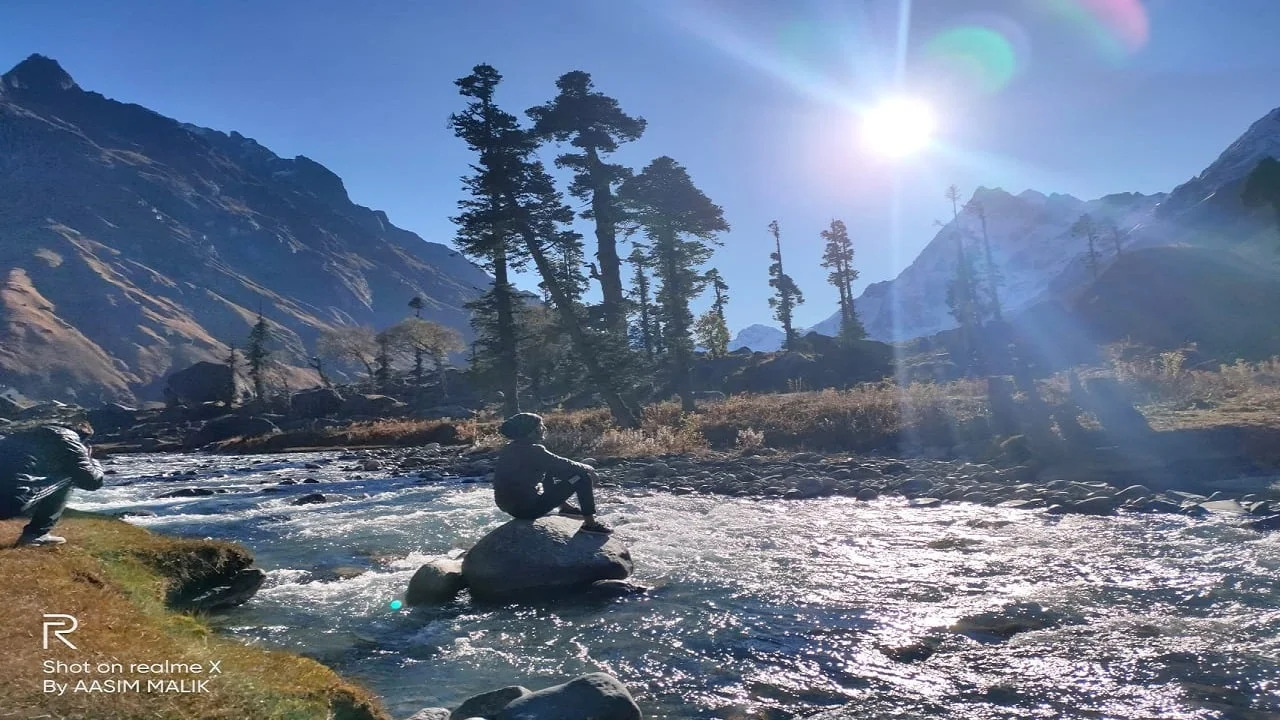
<point x="554" y="494"/>
<point x="44" y="512"/>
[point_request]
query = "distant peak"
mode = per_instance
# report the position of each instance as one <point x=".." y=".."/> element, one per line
<point x="38" y="73"/>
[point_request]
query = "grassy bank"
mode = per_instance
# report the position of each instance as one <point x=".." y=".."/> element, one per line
<point x="882" y="416"/>
<point x="115" y="579"/>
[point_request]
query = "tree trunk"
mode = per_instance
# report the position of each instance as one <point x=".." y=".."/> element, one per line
<point x="613" y="303"/>
<point x="508" y="361"/>
<point x="623" y="413"/>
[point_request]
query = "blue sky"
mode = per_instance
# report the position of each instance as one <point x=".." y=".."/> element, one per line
<point x="759" y="99"/>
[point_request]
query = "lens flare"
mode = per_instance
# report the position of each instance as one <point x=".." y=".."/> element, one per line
<point x="899" y="127"/>
<point x="1118" y="28"/>
<point x="980" y="57"/>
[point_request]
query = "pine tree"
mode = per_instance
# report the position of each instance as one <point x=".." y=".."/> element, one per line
<point x="257" y="354"/>
<point x="962" y="296"/>
<point x="233" y="366"/>
<point x="991" y="271"/>
<point x="642" y="301"/>
<point x="529" y="209"/>
<point x="384" y="360"/>
<point x="595" y="126"/>
<point x="786" y="294"/>
<point x="721" y="290"/>
<point x="681" y="223"/>
<point x="1086" y="227"/>
<point x="837" y="257"/>
<point x="418" y="355"/>
<point x="485" y="224"/>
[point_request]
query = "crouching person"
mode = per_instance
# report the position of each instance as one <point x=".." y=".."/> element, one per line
<point x="39" y="467"/>
<point x="530" y="481"/>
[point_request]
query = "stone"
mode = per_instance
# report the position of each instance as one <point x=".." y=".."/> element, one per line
<point x="230" y="426"/>
<point x="310" y="499"/>
<point x="201" y="383"/>
<point x="868" y="494"/>
<point x="1266" y="523"/>
<point x="998" y="625"/>
<point x="112" y="416"/>
<point x="372" y="406"/>
<point x="925" y="502"/>
<point x="1133" y="492"/>
<point x="371" y="464"/>
<point x="431" y="714"/>
<point x="1096" y="505"/>
<point x="435" y="583"/>
<point x="454" y="412"/>
<point x="596" y="696"/>
<point x="237" y="590"/>
<point x="915" y="486"/>
<point x="603" y="589"/>
<point x="316" y="402"/>
<point x="487" y="705"/>
<point x="187" y="492"/>
<point x="1224" y="507"/>
<point x="526" y="558"/>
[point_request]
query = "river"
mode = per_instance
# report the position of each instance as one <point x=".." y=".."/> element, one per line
<point x="759" y="609"/>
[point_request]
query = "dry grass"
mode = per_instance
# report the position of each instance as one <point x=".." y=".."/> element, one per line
<point x="375" y="433"/>
<point x="1172" y="396"/>
<point x="872" y="417"/>
<point x="114" y="578"/>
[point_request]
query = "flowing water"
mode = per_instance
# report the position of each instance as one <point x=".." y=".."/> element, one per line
<point x="759" y="609"/>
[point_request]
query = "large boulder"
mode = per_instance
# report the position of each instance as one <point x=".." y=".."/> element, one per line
<point x="436" y="583"/>
<point x="9" y="409"/>
<point x="112" y="416"/>
<point x="316" y="402"/>
<point x="596" y="696"/>
<point x="230" y="426"/>
<point x="201" y="383"/>
<point x="489" y="704"/>
<point x="372" y="406"/>
<point x="528" y="558"/>
<point x="439" y="412"/>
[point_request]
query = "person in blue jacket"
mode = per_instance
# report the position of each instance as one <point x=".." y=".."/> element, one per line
<point x="39" y="467"/>
<point x="530" y="481"/>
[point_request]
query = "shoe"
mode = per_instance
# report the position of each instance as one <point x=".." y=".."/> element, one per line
<point x="597" y="527"/>
<point x="570" y="510"/>
<point x="37" y="540"/>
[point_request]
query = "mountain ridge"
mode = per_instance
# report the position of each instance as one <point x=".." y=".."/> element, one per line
<point x="136" y="244"/>
<point x="1039" y="257"/>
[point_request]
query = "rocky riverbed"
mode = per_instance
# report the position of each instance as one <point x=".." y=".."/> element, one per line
<point x="776" y="591"/>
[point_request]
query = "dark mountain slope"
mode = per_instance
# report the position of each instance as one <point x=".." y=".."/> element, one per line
<point x="131" y="244"/>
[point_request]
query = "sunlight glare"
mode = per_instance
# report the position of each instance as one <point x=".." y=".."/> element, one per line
<point x="898" y="127"/>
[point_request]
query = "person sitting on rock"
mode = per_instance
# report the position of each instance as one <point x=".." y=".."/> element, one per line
<point x="39" y="467"/>
<point x="530" y="481"/>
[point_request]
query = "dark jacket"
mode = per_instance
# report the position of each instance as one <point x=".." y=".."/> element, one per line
<point x="47" y="456"/>
<point x="521" y="466"/>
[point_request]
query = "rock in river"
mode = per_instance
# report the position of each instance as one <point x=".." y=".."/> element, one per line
<point x="435" y="583"/>
<point x="597" y="696"/>
<point x="525" y="558"/>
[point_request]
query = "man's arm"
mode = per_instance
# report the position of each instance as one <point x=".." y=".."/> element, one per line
<point x="561" y="468"/>
<point x="72" y="458"/>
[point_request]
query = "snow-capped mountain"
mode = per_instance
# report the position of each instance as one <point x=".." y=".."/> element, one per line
<point x="761" y="338"/>
<point x="1035" y="250"/>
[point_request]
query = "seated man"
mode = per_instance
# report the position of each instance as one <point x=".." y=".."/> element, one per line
<point x="39" y="466"/>
<point x="531" y="481"/>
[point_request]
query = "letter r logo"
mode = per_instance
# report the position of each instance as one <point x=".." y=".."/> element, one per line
<point x="60" y="622"/>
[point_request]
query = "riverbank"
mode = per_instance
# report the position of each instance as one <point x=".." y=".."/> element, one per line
<point x="118" y="581"/>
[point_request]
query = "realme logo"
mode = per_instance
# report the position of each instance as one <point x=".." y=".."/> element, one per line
<point x="68" y="625"/>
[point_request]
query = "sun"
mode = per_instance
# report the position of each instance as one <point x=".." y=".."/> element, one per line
<point x="898" y="127"/>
